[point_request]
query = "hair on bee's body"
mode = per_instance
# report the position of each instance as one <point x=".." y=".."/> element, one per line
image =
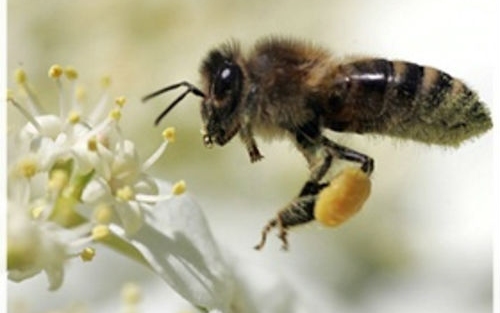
<point x="293" y="82"/>
<point x="285" y="87"/>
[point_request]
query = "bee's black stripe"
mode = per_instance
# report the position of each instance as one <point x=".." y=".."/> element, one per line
<point x="407" y="84"/>
<point x="368" y="84"/>
<point x="440" y="89"/>
<point x="372" y="75"/>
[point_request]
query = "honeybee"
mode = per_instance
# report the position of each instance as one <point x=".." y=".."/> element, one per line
<point x="287" y="88"/>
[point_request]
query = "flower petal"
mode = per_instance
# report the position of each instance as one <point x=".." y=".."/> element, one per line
<point x="131" y="216"/>
<point x="180" y="248"/>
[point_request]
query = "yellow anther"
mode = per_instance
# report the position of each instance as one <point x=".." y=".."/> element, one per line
<point x="73" y="117"/>
<point x="120" y="101"/>
<point x="92" y="144"/>
<point x="36" y="212"/>
<point x="131" y="293"/>
<point x="58" y="180"/>
<point x="20" y="76"/>
<point x="100" y="232"/>
<point x="87" y="254"/>
<point x="71" y="73"/>
<point x="105" y="81"/>
<point x="55" y="71"/>
<point x="169" y="134"/>
<point x="115" y="114"/>
<point x="27" y="167"/>
<point x="179" y="188"/>
<point x="125" y="193"/>
<point x="103" y="213"/>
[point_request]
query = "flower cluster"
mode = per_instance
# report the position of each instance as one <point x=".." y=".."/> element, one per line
<point x="74" y="180"/>
<point x="75" y="183"/>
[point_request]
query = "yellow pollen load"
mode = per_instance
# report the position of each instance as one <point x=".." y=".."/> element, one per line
<point x="74" y="117"/>
<point x="169" y="134"/>
<point x="103" y="214"/>
<point x="179" y="188"/>
<point x="28" y="167"/>
<point x="71" y="73"/>
<point x="120" y="101"/>
<point x="100" y="232"/>
<point x="343" y="198"/>
<point x="87" y="254"/>
<point x="115" y="114"/>
<point x="55" y="71"/>
<point x="20" y="76"/>
<point x="125" y="193"/>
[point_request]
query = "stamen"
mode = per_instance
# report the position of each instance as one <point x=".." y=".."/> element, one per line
<point x="36" y="212"/>
<point x="169" y="136"/>
<point x="27" y="167"/>
<point x="179" y="188"/>
<point x="120" y="101"/>
<point x="73" y="117"/>
<point x="21" y="79"/>
<point x="55" y="71"/>
<point x="71" y="73"/>
<point x="125" y="193"/>
<point x="100" y="232"/>
<point x="99" y="110"/>
<point x="87" y="254"/>
<point x="92" y="144"/>
<point x="151" y="199"/>
<point x="58" y="180"/>
<point x="26" y="114"/>
<point x="115" y="114"/>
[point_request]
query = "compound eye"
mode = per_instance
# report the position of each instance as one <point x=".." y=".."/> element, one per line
<point x="225" y="81"/>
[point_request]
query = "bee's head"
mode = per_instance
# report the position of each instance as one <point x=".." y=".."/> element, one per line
<point x="222" y="80"/>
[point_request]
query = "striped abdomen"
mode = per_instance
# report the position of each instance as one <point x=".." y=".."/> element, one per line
<point x="404" y="100"/>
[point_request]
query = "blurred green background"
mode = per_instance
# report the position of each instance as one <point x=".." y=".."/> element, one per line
<point x="423" y="242"/>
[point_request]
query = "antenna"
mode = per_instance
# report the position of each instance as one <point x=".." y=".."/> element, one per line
<point x="191" y="89"/>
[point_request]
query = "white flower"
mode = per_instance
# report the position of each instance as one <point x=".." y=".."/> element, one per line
<point x="74" y="181"/>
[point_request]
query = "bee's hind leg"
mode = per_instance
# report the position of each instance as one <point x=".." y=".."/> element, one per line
<point x="299" y="211"/>
<point x="269" y="226"/>
<point x="319" y="151"/>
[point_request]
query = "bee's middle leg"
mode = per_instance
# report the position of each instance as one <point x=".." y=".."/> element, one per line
<point x="301" y="209"/>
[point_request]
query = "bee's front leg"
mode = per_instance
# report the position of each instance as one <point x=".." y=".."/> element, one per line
<point x="246" y="135"/>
